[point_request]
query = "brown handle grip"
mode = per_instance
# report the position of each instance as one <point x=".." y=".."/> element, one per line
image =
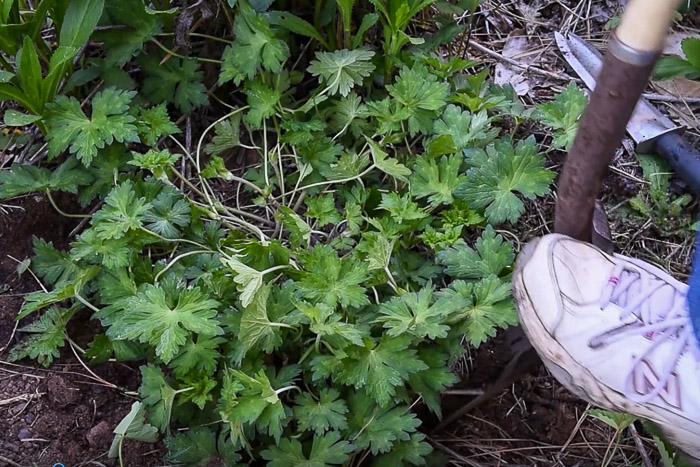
<point x="623" y="77"/>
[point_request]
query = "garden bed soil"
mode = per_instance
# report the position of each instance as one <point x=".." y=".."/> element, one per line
<point x="60" y="414"/>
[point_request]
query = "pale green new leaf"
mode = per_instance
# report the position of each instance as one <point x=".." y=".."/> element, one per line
<point x="329" y="325"/>
<point x="618" y="421"/>
<point x="348" y="113"/>
<point x="467" y="129"/>
<point x="326" y="413"/>
<point x="416" y="313"/>
<point x="350" y="165"/>
<point x="436" y="180"/>
<point x="381" y="367"/>
<point x="563" y="115"/>
<point x="299" y="231"/>
<point x="378" y="249"/>
<point x="154" y="123"/>
<point x="421" y="95"/>
<point x="249" y="280"/>
<point x="70" y="128"/>
<point x="256" y="402"/>
<point x="256" y="329"/>
<point x="491" y="256"/>
<point x="262" y="100"/>
<point x="226" y="136"/>
<point x="379" y="429"/>
<point x="483" y="307"/>
<point x="133" y="426"/>
<point x="216" y="168"/>
<point x="201" y="386"/>
<point x="386" y="164"/>
<point x="255" y="49"/>
<point x="401" y="208"/>
<point x="165" y="322"/>
<point x="343" y="69"/>
<point x="323" y="209"/>
<point x="122" y="212"/>
<point x="157" y="162"/>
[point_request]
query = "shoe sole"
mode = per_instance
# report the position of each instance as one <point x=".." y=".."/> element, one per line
<point x="556" y="359"/>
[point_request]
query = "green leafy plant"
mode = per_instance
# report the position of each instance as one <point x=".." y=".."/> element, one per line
<point x="24" y="82"/>
<point x="668" y="213"/>
<point x="672" y="65"/>
<point x="292" y="233"/>
<point x="563" y="115"/>
<point x="620" y="422"/>
<point x="395" y="17"/>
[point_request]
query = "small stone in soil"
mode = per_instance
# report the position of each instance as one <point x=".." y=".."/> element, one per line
<point x="24" y="433"/>
<point x="12" y="447"/>
<point x="59" y="393"/>
<point x="99" y="434"/>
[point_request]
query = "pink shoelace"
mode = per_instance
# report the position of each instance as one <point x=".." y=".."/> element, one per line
<point x="654" y="307"/>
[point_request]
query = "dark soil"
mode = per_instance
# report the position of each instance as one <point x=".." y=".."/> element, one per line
<point x="60" y="414"/>
<point x="535" y="422"/>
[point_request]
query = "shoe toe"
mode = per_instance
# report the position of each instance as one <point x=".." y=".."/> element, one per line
<point x="555" y="271"/>
<point x="579" y="271"/>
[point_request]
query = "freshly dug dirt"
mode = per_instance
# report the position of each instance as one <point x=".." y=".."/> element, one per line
<point x="60" y="414"/>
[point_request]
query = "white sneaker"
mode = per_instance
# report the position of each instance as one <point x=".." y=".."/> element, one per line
<point x="613" y="330"/>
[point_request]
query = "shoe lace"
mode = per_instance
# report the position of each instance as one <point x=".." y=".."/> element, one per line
<point x="655" y="308"/>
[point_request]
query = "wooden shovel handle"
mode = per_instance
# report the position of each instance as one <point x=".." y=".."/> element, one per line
<point x="632" y="53"/>
<point x="645" y="24"/>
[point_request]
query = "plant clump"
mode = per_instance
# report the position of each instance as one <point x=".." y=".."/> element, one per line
<point x="294" y="218"/>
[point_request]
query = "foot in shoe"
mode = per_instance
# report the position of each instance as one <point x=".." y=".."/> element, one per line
<point x="613" y="330"/>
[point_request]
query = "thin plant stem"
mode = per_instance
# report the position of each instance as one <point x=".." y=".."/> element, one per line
<point x="60" y="211"/>
<point x="178" y="258"/>
<point x="197" y="34"/>
<point x="175" y="54"/>
<point x="331" y="182"/>
<point x="183" y="240"/>
<point x="121" y="460"/>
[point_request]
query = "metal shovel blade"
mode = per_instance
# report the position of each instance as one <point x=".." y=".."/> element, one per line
<point x="647" y="124"/>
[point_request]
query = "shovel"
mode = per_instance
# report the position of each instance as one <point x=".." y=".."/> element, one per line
<point x="618" y="83"/>
<point x="649" y="128"/>
<point x="615" y="102"/>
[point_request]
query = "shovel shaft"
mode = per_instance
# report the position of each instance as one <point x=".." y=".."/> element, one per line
<point x="602" y="127"/>
<point x="632" y="53"/>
